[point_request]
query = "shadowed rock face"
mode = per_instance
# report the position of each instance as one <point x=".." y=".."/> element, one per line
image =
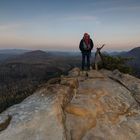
<point x="93" y="105"/>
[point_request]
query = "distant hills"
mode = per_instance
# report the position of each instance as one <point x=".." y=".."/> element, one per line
<point x="32" y="55"/>
<point x="21" y="74"/>
<point x="9" y="53"/>
<point x="29" y="57"/>
<point x="135" y="53"/>
<point x="13" y="51"/>
<point x="135" y="62"/>
<point x="21" y="71"/>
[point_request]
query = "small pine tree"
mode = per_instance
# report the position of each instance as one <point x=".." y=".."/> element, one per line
<point x="116" y="62"/>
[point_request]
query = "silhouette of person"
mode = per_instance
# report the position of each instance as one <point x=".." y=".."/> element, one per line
<point x="86" y="45"/>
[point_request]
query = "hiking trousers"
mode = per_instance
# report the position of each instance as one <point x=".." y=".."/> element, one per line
<point x="86" y="60"/>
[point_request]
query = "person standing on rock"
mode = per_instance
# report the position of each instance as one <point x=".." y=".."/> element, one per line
<point x="86" y="45"/>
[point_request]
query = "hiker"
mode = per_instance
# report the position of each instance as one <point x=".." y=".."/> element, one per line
<point x="86" y="45"/>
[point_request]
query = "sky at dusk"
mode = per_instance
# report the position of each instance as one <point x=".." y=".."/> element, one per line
<point x="60" y="24"/>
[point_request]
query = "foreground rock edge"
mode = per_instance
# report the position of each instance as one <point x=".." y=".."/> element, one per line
<point x="52" y="100"/>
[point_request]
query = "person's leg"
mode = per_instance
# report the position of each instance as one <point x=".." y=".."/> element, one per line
<point x="88" y="61"/>
<point x="83" y="61"/>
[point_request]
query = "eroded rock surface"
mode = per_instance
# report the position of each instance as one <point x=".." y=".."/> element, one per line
<point x="103" y="109"/>
<point x="93" y="105"/>
<point x="40" y="116"/>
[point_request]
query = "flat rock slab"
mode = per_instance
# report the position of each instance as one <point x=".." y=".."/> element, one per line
<point x="103" y="109"/>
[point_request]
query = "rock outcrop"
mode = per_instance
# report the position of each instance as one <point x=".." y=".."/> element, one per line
<point x="93" y="105"/>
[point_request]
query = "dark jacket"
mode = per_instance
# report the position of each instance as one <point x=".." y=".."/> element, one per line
<point x="81" y="46"/>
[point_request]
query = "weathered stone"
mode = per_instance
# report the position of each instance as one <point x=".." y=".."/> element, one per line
<point x="128" y="81"/>
<point x="40" y="116"/>
<point x="72" y="82"/>
<point x="74" y="72"/>
<point x="98" y="109"/>
<point x="95" y="74"/>
<point x="97" y="105"/>
<point x="54" y="80"/>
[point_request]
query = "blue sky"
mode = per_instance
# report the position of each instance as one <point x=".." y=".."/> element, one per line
<point x="60" y="24"/>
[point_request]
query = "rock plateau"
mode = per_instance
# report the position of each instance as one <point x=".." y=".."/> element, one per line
<point x="93" y="105"/>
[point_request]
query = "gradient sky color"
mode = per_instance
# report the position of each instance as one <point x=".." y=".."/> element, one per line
<point x="60" y="24"/>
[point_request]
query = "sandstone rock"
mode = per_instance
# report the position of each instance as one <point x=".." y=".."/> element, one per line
<point x="99" y="111"/>
<point x="40" y="116"/>
<point x="74" y="72"/>
<point x="71" y="82"/>
<point x="54" y="81"/>
<point x="128" y="81"/>
<point x="97" y="105"/>
<point x="95" y="74"/>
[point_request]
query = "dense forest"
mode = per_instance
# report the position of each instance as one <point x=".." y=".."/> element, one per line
<point x="22" y="74"/>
